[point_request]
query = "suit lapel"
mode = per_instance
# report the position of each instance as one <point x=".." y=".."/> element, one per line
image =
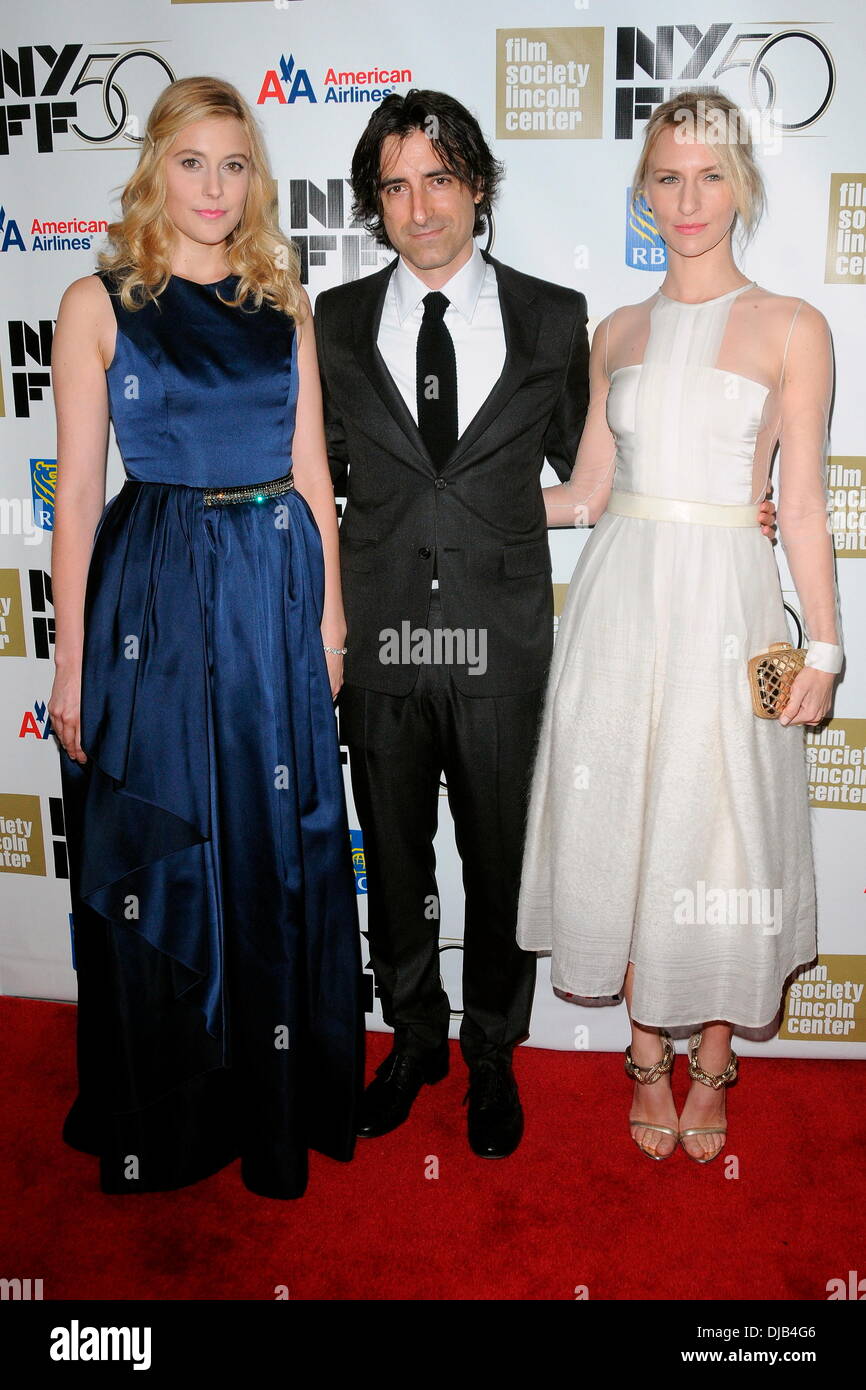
<point x="520" y="323"/>
<point x="367" y="321"/>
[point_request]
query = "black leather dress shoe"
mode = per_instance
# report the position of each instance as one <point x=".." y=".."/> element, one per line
<point x="389" y="1096"/>
<point x="495" y="1112"/>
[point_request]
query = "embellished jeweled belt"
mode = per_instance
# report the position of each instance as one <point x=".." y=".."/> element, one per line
<point x="253" y="492"/>
<point x="680" y="509"/>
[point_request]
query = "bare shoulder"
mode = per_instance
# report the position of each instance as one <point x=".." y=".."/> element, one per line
<point x="85" y="324"/>
<point x="601" y="332"/>
<point x="627" y="315"/>
<point x="621" y="325"/>
<point x="304" y="320"/>
<point x="782" y="309"/>
<point x="86" y="296"/>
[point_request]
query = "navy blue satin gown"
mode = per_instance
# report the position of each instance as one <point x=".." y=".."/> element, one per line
<point x="215" y="917"/>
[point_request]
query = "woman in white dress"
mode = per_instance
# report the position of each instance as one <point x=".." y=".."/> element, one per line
<point x="668" y="853"/>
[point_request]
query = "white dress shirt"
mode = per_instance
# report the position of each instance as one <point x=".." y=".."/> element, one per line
<point x="473" y="318"/>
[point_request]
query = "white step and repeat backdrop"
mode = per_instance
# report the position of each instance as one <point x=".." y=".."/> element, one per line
<point x="563" y="89"/>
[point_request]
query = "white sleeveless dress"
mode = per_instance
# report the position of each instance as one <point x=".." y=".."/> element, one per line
<point x="667" y="825"/>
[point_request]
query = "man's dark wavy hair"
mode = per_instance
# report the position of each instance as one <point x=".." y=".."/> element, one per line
<point x="458" y="142"/>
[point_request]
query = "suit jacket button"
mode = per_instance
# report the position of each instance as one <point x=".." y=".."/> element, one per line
<point x="425" y="552"/>
<point x="439" y="482"/>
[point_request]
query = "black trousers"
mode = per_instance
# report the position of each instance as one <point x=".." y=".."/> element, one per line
<point x="399" y="746"/>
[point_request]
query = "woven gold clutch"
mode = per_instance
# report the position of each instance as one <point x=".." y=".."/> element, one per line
<point x="771" y="675"/>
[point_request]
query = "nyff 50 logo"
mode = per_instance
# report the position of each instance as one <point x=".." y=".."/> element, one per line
<point x="781" y="73"/>
<point x="46" y="93"/>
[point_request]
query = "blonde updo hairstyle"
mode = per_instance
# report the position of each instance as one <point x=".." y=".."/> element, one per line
<point x="140" y="244"/>
<point x="709" y="114"/>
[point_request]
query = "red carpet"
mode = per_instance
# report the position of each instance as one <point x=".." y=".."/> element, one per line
<point x="576" y="1205"/>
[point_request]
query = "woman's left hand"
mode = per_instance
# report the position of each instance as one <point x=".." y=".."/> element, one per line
<point x="335" y="671"/>
<point x="810" y="699"/>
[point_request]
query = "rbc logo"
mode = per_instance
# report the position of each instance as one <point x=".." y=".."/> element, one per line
<point x="644" y="248"/>
<point x="43" y="482"/>
<point x="358" y="861"/>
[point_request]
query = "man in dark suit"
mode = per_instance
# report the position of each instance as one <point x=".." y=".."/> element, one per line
<point x="448" y="378"/>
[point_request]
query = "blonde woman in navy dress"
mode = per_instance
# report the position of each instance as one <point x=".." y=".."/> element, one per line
<point x="655" y="784"/>
<point x="199" y="649"/>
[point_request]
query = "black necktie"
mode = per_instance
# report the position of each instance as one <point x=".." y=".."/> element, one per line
<point x="436" y="380"/>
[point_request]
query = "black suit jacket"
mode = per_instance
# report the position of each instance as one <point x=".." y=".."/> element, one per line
<point x="484" y="513"/>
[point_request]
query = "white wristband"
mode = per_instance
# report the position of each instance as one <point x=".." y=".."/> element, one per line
<point x="824" y="656"/>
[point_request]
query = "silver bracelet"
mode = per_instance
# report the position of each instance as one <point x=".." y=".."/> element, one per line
<point x="335" y="651"/>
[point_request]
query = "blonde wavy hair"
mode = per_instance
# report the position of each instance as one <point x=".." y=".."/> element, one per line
<point x="727" y="125"/>
<point x="266" y="262"/>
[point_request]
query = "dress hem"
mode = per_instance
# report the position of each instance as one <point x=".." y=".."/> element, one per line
<point x="615" y="997"/>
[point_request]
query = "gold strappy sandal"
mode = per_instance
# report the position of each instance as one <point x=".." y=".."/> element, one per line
<point x="646" y="1076"/>
<point x="697" y="1073"/>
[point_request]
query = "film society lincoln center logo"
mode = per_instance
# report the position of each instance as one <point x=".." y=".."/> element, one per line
<point x="549" y="84"/>
<point x="826" y="1003"/>
<point x="836" y="763"/>
<point x="22" y="848"/>
<point x="846" y="505"/>
<point x="846" y="231"/>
